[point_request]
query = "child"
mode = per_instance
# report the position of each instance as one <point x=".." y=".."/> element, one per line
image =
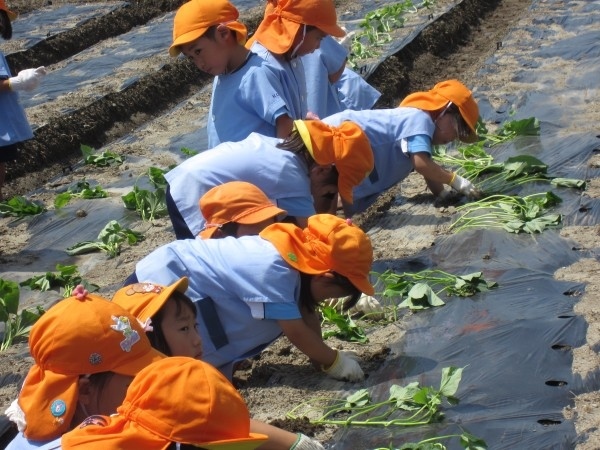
<point x="236" y="209"/>
<point x="402" y="140"/>
<point x="247" y="95"/>
<point x="344" y="89"/>
<point x="14" y="127"/>
<point x="291" y="29"/>
<point x="297" y="173"/>
<point x="86" y="351"/>
<point x="251" y="289"/>
<point x="170" y="321"/>
<point x="160" y="411"/>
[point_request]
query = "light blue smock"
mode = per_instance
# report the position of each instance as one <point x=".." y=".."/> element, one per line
<point x="20" y="442"/>
<point x="291" y="76"/>
<point x="245" y="101"/>
<point x="14" y="126"/>
<point x="241" y="287"/>
<point x="280" y="174"/>
<point x="386" y="129"/>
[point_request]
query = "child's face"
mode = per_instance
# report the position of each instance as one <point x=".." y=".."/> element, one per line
<point x="180" y="331"/>
<point x="446" y="129"/>
<point x="325" y="286"/>
<point x="312" y="41"/>
<point x="324" y="189"/>
<point x="209" y="55"/>
<point x="105" y="400"/>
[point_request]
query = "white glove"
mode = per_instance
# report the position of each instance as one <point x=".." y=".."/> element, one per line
<point x="369" y="306"/>
<point x="27" y="80"/>
<point x="464" y="186"/>
<point x="345" y="367"/>
<point x="305" y="443"/>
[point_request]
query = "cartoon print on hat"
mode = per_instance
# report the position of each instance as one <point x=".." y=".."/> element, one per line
<point x="123" y="325"/>
<point x="143" y="288"/>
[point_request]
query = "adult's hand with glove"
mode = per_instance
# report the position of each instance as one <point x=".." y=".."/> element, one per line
<point x="305" y="443"/>
<point x="27" y="79"/>
<point x="464" y="186"/>
<point x="345" y="367"/>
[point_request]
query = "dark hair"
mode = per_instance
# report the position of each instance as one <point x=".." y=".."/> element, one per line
<point x="310" y="303"/>
<point x="463" y="128"/>
<point x="294" y="143"/>
<point x="156" y="336"/>
<point x="5" y="25"/>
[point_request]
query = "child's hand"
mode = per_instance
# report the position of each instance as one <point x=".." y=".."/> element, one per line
<point x="345" y="367"/>
<point x="27" y="80"/>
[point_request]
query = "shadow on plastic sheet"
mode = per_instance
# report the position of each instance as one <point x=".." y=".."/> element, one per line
<point x="515" y="344"/>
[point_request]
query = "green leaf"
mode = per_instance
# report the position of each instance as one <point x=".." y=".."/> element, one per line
<point x="568" y="182"/>
<point x="359" y="398"/>
<point x="62" y="200"/>
<point x="9" y="299"/>
<point x="421" y="296"/>
<point x="451" y="377"/>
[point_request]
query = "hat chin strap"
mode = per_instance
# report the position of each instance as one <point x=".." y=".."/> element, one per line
<point x="293" y="54"/>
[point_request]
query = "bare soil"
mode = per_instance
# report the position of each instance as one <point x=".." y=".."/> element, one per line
<point x="454" y="46"/>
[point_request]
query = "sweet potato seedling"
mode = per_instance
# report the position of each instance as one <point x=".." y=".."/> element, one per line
<point x="81" y="189"/>
<point x="110" y="240"/>
<point x="65" y="277"/>
<point x="103" y="159"/>
<point x="19" y="206"/>
<point x="17" y="325"/>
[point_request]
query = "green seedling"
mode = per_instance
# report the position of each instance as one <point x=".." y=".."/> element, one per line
<point x="407" y="406"/>
<point x="423" y="289"/>
<point x="511" y="213"/>
<point x="103" y="159"/>
<point x="467" y="441"/>
<point x="19" y="206"/>
<point x="81" y="190"/>
<point x="509" y="130"/>
<point x="150" y="205"/>
<point x="347" y="329"/>
<point x="110" y="240"/>
<point x="16" y="325"/>
<point x="188" y="151"/>
<point x="65" y="277"/>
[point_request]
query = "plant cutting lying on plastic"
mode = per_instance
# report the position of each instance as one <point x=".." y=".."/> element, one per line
<point x="80" y="190"/>
<point x="406" y="406"/>
<point x="65" y="277"/>
<point x="467" y="441"/>
<point x="422" y="290"/>
<point x="19" y="206"/>
<point x="511" y="213"/>
<point x="110" y="240"/>
<point x="103" y="159"/>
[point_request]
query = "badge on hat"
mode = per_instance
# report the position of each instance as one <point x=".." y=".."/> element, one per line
<point x="123" y="325"/>
<point x="143" y="288"/>
<point x="58" y="408"/>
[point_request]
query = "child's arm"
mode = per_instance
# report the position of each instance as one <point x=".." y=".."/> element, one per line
<point x="284" y="125"/>
<point x="336" y="364"/>
<point x="282" y="440"/>
<point x="436" y="176"/>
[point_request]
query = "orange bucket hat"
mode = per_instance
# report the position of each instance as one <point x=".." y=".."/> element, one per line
<point x="346" y="146"/>
<point x="11" y="15"/>
<point x="178" y="399"/>
<point x="196" y="16"/>
<point x="328" y="243"/>
<point x="80" y="335"/>
<point x="235" y="201"/>
<point x="144" y="300"/>
<point x="283" y="19"/>
<point x="442" y="93"/>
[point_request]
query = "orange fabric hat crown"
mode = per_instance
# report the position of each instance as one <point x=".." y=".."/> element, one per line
<point x="236" y="201"/>
<point x="442" y="93"/>
<point x="346" y="146"/>
<point x="11" y="15"/>
<point x="283" y="19"/>
<point x="178" y="399"/>
<point x="196" y="16"/>
<point x="77" y="337"/>
<point x="144" y="300"/>
<point x="328" y="243"/>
